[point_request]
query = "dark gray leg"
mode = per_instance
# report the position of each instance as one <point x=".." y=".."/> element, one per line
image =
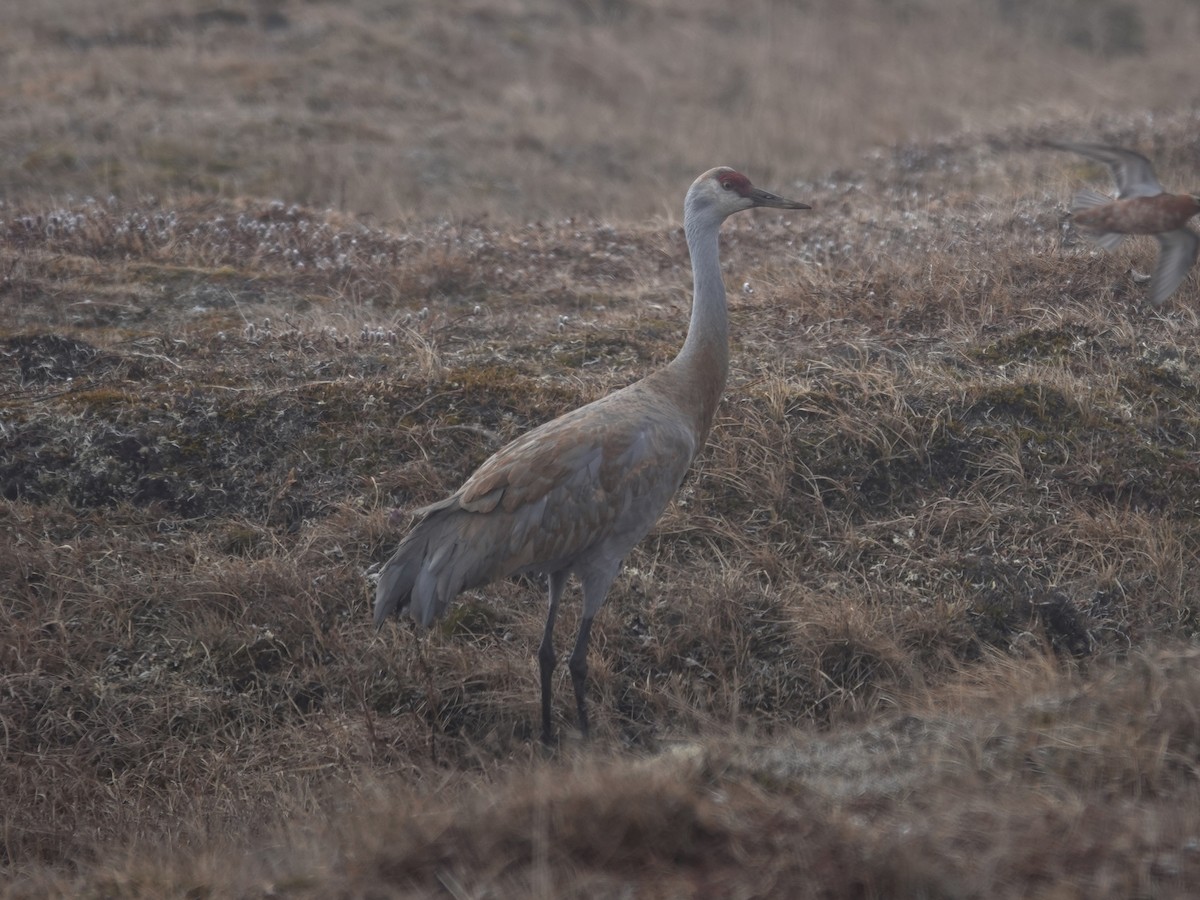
<point x="596" y="581"/>
<point x="546" y="657"/>
<point x="579" y="669"/>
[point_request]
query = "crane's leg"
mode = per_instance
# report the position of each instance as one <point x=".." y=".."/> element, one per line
<point x="596" y="583"/>
<point x="546" y="657"/>
<point x="579" y="669"/>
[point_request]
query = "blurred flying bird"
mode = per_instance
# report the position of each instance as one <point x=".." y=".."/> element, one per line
<point x="576" y="494"/>
<point x="1141" y="207"/>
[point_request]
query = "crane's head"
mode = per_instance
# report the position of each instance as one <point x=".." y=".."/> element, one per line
<point x="722" y="191"/>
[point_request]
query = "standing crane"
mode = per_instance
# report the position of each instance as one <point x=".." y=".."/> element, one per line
<point x="577" y="493"/>
<point x="1141" y="207"/>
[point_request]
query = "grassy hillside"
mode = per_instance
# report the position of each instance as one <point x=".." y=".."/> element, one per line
<point x="409" y="109"/>
<point x="921" y="622"/>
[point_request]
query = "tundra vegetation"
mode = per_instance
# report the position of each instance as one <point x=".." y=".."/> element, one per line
<point x="922" y="621"/>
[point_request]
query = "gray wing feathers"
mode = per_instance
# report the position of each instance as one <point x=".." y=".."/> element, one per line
<point x="433" y="564"/>
<point x="1109" y="240"/>
<point x="1086" y="198"/>
<point x="395" y="586"/>
<point x="583" y="488"/>
<point x="1176" y="255"/>
<point x="443" y="555"/>
<point x="1133" y="173"/>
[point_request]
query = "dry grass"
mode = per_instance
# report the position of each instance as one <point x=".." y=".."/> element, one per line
<point x="542" y="108"/>
<point x="921" y="622"/>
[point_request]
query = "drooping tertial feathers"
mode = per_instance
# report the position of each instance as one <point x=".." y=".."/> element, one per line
<point x="576" y="494"/>
<point x="1141" y="207"/>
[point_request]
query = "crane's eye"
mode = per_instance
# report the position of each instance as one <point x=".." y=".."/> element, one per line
<point x="728" y="185"/>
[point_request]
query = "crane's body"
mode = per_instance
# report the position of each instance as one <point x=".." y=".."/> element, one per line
<point x="1141" y="207"/>
<point x="576" y="494"/>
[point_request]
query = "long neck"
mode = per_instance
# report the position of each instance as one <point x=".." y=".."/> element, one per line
<point x="702" y="365"/>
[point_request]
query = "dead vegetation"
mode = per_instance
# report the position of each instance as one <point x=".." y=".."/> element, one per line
<point x="414" y="109"/>
<point x="941" y="460"/>
<point x="921" y="622"/>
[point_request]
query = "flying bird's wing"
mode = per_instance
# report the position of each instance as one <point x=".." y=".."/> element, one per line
<point x="1177" y="253"/>
<point x="1133" y="172"/>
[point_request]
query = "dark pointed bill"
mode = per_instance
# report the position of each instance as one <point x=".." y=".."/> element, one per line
<point x="766" y="198"/>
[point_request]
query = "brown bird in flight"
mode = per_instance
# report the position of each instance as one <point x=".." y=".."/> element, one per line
<point x="577" y="493"/>
<point x="1141" y="207"/>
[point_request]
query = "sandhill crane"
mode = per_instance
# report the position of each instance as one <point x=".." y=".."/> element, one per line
<point x="1141" y="207"/>
<point x="577" y="493"/>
